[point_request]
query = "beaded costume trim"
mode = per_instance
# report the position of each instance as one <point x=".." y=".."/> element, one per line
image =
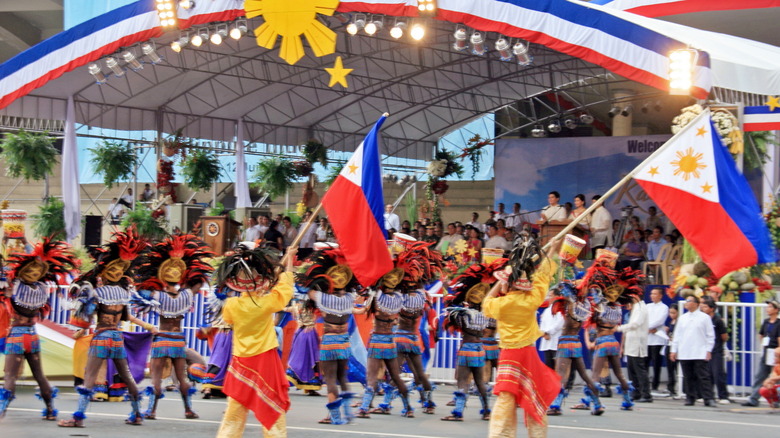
<point x="414" y="301"/>
<point x="334" y="304"/>
<point x="389" y="303"/>
<point x="30" y="297"/>
<point x="477" y="321"/>
<point x="173" y="306"/>
<point x="112" y="295"/>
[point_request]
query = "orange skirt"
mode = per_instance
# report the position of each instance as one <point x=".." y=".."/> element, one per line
<point x="534" y="385"/>
<point x="260" y="384"/>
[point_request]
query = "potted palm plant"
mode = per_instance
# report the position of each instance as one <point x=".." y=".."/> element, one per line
<point x="30" y="156"/>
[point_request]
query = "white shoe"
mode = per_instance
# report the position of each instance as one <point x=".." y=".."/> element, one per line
<point x="724" y="401"/>
<point x="677" y="397"/>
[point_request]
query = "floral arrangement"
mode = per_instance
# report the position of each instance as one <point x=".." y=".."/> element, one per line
<point x="725" y="122"/>
<point x="773" y="223"/>
<point x="165" y="174"/>
<point x="444" y="165"/>
<point x="173" y="145"/>
<point x="474" y="152"/>
<point x="440" y="187"/>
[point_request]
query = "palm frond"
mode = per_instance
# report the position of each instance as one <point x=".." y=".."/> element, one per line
<point x="201" y="169"/>
<point x="50" y="220"/>
<point x="274" y="176"/>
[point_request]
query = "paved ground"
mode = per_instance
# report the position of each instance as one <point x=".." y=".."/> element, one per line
<point x="663" y="418"/>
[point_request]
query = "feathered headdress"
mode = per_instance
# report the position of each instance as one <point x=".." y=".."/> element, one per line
<point x="116" y="259"/>
<point x="420" y="264"/>
<point x="48" y="259"/>
<point x="326" y="271"/>
<point x="176" y="260"/>
<point x="621" y="287"/>
<point x="247" y="270"/>
<point x="473" y="284"/>
<point x="457" y="318"/>
<point x="524" y="259"/>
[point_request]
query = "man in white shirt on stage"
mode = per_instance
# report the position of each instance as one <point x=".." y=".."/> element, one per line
<point x="692" y="345"/>
<point x="657" y="314"/>
<point x="635" y="347"/>
<point x="500" y="214"/>
<point x="475" y="222"/>
<point x="554" y="211"/>
<point x="392" y="221"/>
<point x="551" y="325"/>
<point x="600" y="227"/>
<point x="251" y="232"/>
<point x="514" y="220"/>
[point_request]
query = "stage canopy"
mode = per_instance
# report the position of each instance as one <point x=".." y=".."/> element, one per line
<point x="579" y="52"/>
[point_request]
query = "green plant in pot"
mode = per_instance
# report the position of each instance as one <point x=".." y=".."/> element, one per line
<point x="201" y="169"/>
<point x="115" y="161"/>
<point x="29" y="156"/>
<point x="315" y="152"/>
<point x="50" y="220"/>
<point x="147" y="225"/>
<point x="275" y="176"/>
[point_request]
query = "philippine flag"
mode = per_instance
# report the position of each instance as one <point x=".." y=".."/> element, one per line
<point x="355" y="207"/>
<point x="694" y="180"/>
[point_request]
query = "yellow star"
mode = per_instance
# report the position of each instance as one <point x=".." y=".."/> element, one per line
<point x="450" y="251"/>
<point x="773" y="102"/>
<point x="459" y="259"/>
<point x="653" y="171"/>
<point x="706" y="188"/>
<point x="471" y="252"/>
<point x="338" y="74"/>
<point x="352" y="168"/>
<point x="700" y="132"/>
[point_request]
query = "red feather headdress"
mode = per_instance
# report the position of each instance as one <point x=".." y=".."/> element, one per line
<point x="56" y="254"/>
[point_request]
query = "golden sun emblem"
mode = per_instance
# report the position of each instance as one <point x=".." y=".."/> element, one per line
<point x="688" y="164"/>
<point x="291" y="20"/>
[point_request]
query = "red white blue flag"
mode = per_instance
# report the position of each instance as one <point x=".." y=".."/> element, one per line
<point x="355" y="206"/>
<point x="761" y="118"/>
<point x="695" y="181"/>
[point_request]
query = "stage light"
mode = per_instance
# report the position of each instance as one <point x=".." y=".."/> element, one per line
<point x="627" y="110"/>
<point x="186" y="4"/>
<point x="554" y="127"/>
<point x="130" y="59"/>
<point x="417" y="32"/>
<point x="570" y="122"/>
<point x="165" y="11"/>
<point x="477" y="44"/>
<point x="586" y="118"/>
<point x="95" y="71"/>
<point x="426" y="7"/>
<point x="538" y="131"/>
<point x="373" y="27"/>
<point x="354" y="27"/>
<point x="218" y="36"/>
<point x="148" y="50"/>
<point x="502" y="47"/>
<point x="398" y="30"/>
<point x="645" y="108"/>
<point x="520" y="51"/>
<point x="613" y="112"/>
<point x="200" y="37"/>
<point x="681" y="64"/>
<point x="239" y="30"/>
<point x="113" y="64"/>
<point x="181" y="43"/>
<point x="460" y="43"/>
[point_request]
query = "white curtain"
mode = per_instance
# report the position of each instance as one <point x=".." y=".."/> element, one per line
<point x="242" y="186"/>
<point x="71" y="195"/>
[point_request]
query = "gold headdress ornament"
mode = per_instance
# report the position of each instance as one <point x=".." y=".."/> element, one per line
<point x="340" y="276"/>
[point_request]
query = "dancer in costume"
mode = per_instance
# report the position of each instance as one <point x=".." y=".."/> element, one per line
<point x="25" y="300"/>
<point x="386" y="304"/>
<point x="173" y="272"/>
<point x="256" y="380"/>
<point x="303" y="370"/>
<point x="492" y="350"/>
<point x="469" y="289"/>
<point x="105" y="292"/>
<point x="212" y="376"/>
<point x="609" y="290"/>
<point x="331" y="286"/>
<point x="420" y="265"/>
<point x="523" y="379"/>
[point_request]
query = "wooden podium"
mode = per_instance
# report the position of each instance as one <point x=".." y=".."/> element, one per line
<point x="550" y="229"/>
<point x="220" y="232"/>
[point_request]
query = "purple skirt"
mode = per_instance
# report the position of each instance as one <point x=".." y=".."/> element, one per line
<point x="221" y="352"/>
<point x="304" y="354"/>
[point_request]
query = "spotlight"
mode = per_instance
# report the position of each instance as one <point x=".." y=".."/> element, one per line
<point x="148" y="50"/>
<point x="477" y="44"/>
<point x="354" y="27"/>
<point x="520" y="51"/>
<point x="570" y="122"/>
<point x="627" y="110"/>
<point x="586" y="118"/>
<point x="398" y="30"/>
<point x="373" y="27"/>
<point x="131" y="60"/>
<point x="218" y="36"/>
<point x="554" y="127"/>
<point x="417" y="32"/>
<point x="165" y="11"/>
<point x="200" y="37"/>
<point x="613" y="112"/>
<point x="95" y="71"/>
<point x="502" y="47"/>
<point x="426" y="7"/>
<point x="179" y="44"/>
<point x="538" y="131"/>
<point x="240" y="30"/>
<point x="645" y="108"/>
<point x="113" y="64"/>
<point x="460" y="40"/>
<point x="186" y="4"/>
<point x="681" y="64"/>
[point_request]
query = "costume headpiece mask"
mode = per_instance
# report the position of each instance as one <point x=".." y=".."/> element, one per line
<point x="47" y="259"/>
<point x="178" y="260"/>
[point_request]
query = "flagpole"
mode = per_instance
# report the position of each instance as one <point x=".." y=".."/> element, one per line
<point x="620" y="183"/>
